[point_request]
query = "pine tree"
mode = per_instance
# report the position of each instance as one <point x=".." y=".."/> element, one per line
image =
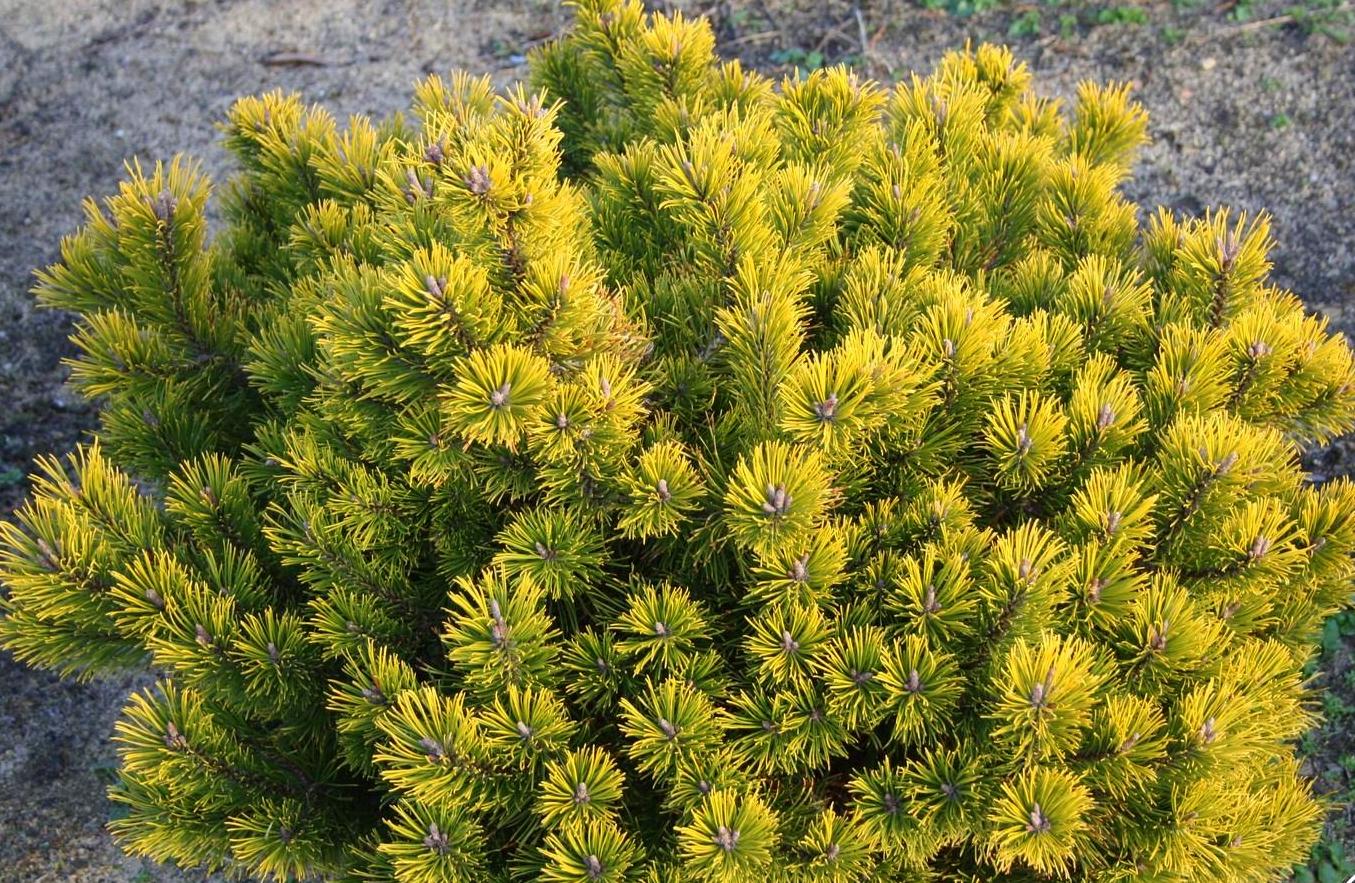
<point x="656" y="473"/>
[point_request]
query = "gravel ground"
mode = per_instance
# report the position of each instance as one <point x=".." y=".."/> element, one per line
<point x="1252" y="116"/>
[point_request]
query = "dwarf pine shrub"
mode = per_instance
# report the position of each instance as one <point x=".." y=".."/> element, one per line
<point x="667" y="475"/>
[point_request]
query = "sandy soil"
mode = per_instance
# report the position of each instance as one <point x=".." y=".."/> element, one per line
<point x="1250" y="116"/>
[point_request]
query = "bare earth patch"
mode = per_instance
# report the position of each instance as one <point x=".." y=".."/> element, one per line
<point x="1250" y="117"/>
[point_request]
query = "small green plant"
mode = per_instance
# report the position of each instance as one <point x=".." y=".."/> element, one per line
<point x="664" y="475"/>
<point x="1243" y="11"/>
<point x="1122" y="15"/>
<point x="1328" y="864"/>
<point x="1331" y="18"/>
<point x="799" y="58"/>
<point x="963" y="8"/>
<point x="1027" y="24"/>
<point x="740" y="16"/>
<point x="1330" y="751"/>
<point x="1340" y="626"/>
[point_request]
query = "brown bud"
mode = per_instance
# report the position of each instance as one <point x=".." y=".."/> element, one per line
<point x="1207" y="732"/>
<point x="436" y="840"/>
<point x="478" y="181"/>
<point x="374" y="695"/>
<point x="727" y="839"/>
<point x="415" y="191"/>
<point x="1229" y="248"/>
<point x="778" y="501"/>
<point x="826" y="410"/>
<point x="929" y="602"/>
<point x="1039" y="822"/>
<point x="1157" y="637"/>
<point x="46" y="555"/>
<point x="914" y="684"/>
<point x="164" y="206"/>
<point x="174" y="740"/>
